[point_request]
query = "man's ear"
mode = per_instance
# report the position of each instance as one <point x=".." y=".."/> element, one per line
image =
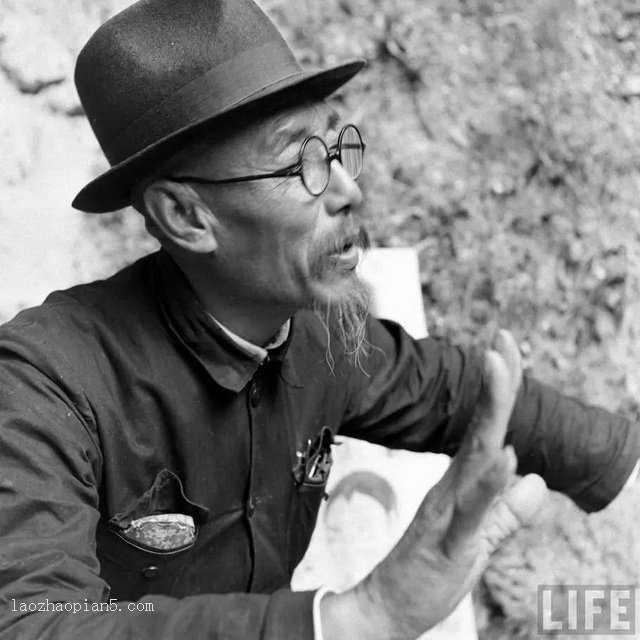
<point x="178" y="214"/>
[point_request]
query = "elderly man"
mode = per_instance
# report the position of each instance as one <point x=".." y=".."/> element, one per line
<point x="165" y="435"/>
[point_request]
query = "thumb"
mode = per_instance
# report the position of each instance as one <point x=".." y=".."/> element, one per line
<point x="516" y="508"/>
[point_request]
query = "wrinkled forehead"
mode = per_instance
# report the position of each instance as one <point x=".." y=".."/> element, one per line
<point x="275" y="131"/>
<point x="260" y="136"/>
<point x="297" y="123"/>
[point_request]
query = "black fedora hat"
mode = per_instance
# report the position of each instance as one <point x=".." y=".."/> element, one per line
<point x="156" y="72"/>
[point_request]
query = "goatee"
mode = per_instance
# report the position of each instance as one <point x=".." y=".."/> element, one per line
<point x="346" y="315"/>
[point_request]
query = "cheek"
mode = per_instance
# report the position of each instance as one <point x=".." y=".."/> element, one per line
<point x="298" y="241"/>
<point x="279" y="238"/>
<point x="275" y="256"/>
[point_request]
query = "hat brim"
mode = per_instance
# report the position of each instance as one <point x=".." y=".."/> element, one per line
<point x="111" y="190"/>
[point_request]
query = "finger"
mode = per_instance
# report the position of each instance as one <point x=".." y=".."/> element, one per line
<point x="515" y="509"/>
<point x="505" y="344"/>
<point x="483" y="481"/>
<point x="485" y="435"/>
<point x="466" y="472"/>
<point x="495" y="404"/>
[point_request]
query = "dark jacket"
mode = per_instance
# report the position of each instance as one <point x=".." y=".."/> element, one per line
<point x="121" y="399"/>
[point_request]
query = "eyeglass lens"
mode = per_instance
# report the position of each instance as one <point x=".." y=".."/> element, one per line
<point x="315" y="166"/>
<point x="315" y="159"/>
<point x="351" y="151"/>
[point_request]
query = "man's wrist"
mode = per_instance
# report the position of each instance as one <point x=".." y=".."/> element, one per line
<point x="351" y="615"/>
<point x="340" y="617"/>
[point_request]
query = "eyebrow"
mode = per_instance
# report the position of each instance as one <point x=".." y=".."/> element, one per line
<point x="333" y="120"/>
<point x="282" y="139"/>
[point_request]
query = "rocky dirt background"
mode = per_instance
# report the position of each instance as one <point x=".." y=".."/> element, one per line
<point x="502" y="144"/>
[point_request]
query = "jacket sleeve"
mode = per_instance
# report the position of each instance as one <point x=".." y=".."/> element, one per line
<point x="50" y="587"/>
<point x="584" y="451"/>
<point x="420" y="395"/>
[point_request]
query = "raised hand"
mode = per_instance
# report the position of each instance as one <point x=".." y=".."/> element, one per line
<point x="459" y="524"/>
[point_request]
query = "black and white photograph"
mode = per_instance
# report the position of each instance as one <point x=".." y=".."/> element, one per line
<point x="319" y="321"/>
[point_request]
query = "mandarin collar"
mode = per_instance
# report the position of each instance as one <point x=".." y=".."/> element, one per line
<point x="193" y="326"/>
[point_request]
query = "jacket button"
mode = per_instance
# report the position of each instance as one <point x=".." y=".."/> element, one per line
<point x="254" y="398"/>
<point x="150" y="572"/>
<point x="251" y="506"/>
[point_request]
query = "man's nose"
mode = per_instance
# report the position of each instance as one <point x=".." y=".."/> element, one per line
<point x="342" y="192"/>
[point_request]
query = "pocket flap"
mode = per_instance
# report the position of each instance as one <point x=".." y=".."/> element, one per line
<point x="165" y="496"/>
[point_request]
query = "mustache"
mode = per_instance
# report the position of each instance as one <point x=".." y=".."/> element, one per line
<point x="358" y="237"/>
<point x="328" y="251"/>
<point x="335" y="244"/>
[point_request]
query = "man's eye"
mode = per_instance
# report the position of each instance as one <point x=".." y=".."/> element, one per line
<point x="290" y="155"/>
<point x="293" y="170"/>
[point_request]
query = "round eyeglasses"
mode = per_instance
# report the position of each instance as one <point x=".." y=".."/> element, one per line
<point x="313" y="165"/>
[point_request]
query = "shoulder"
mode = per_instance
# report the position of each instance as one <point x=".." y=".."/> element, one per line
<point x="72" y="323"/>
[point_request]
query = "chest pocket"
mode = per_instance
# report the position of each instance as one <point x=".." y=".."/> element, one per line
<point x="310" y="475"/>
<point x="145" y="548"/>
